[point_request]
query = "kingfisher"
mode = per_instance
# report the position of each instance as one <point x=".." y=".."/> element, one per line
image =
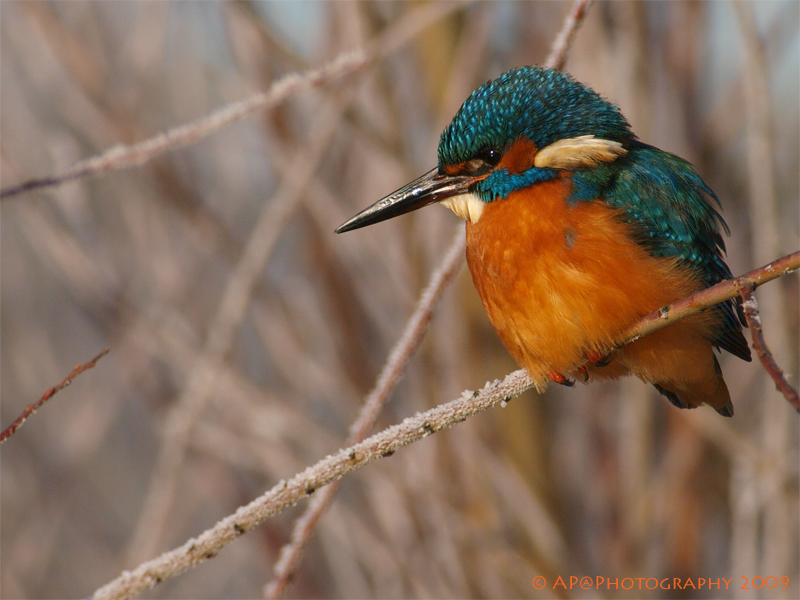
<point x="575" y="230"/>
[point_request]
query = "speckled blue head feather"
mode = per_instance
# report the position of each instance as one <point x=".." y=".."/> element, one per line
<point x="541" y="105"/>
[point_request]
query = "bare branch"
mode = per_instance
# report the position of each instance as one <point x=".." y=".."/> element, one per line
<point x="768" y="239"/>
<point x="122" y="155"/>
<point x="563" y="42"/>
<point x="332" y="468"/>
<point x="202" y="379"/>
<point x="32" y="408"/>
<point x="750" y="306"/>
<point x="236" y="298"/>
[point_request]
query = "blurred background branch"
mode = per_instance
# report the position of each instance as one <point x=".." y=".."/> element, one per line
<point x="123" y="156"/>
<point x="606" y="479"/>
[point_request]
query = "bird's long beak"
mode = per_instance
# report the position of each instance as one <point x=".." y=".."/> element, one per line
<point x="431" y="187"/>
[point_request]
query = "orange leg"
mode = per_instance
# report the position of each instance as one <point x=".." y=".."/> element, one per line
<point x="560" y="379"/>
<point x="597" y="359"/>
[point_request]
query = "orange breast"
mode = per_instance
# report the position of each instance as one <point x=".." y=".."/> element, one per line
<point x="558" y="280"/>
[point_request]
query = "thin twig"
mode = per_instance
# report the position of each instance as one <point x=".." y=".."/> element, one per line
<point x="32" y="408"/>
<point x="402" y="352"/>
<point x="385" y="443"/>
<point x="750" y="306"/>
<point x="396" y="364"/>
<point x="775" y="515"/>
<point x="563" y="41"/>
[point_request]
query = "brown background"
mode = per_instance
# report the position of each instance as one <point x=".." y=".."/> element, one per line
<point x="605" y="480"/>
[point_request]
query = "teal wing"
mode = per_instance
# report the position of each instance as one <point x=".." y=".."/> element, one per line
<point x="673" y="210"/>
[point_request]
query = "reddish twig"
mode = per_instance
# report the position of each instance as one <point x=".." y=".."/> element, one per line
<point x="753" y="317"/>
<point x="32" y="408"/>
<point x="725" y="290"/>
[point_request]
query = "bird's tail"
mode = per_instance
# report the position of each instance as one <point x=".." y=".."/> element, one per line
<point x="713" y="392"/>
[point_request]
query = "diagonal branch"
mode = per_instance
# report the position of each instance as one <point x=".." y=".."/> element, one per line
<point x="32" y="408"/>
<point x="287" y="493"/>
<point x="753" y="317"/>
<point x="724" y="290"/>
<point x="385" y="443"/>
<point x="202" y="379"/>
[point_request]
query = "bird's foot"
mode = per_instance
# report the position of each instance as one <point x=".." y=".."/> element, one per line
<point x="584" y="373"/>
<point x="596" y="359"/>
<point x="561" y="379"/>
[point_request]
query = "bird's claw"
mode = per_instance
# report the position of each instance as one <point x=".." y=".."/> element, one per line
<point x="561" y="379"/>
<point x="596" y="359"/>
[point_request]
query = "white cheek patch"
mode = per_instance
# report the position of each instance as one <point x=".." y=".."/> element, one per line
<point x="467" y="206"/>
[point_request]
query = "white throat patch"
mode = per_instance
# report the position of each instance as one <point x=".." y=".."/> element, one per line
<point x="467" y="206"/>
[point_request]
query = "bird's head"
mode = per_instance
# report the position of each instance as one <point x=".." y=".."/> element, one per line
<point x="520" y="129"/>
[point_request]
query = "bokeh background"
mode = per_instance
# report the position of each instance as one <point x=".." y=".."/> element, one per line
<point x="607" y="480"/>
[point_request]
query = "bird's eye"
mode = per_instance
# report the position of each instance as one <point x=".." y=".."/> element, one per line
<point x="483" y="162"/>
<point x="490" y="156"/>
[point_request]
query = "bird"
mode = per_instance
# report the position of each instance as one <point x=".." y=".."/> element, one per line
<point x="575" y="230"/>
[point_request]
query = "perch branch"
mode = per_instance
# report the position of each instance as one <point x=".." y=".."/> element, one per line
<point x="725" y="290"/>
<point x="385" y="443"/>
<point x="32" y="408"/>
<point x="753" y="317"/>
